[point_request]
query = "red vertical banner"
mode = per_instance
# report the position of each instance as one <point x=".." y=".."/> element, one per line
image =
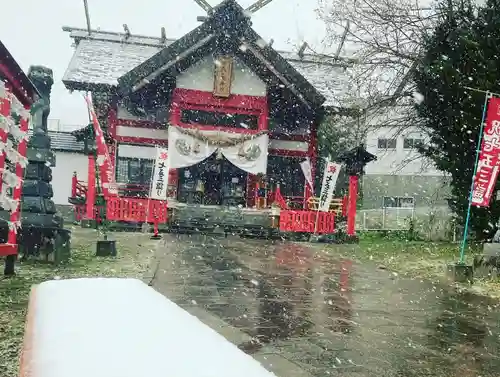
<point x="103" y="159"/>
<point x="488" y="164"/>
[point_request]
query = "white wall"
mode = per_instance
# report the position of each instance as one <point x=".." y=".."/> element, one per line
<point x="398" y="161"/>
<point x="66" y="164"/>
<point x="200" y="76"/>
<point x="137" y="151"/>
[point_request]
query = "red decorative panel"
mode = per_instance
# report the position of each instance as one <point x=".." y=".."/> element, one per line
<point x="8" y="249"/>
<point x="305" y="221"/>
<point x="136" y="210"/>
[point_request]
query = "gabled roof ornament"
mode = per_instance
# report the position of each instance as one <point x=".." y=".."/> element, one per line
<point x="257" y="5"/>
<point x="302" y="49"/>
<point x="127" y="31"/>
<point x="205" y="6"/>
<point x="163" y="38"/>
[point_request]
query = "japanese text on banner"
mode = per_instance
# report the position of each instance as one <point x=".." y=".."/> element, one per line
<point x="487" y="167"/>
<point x="160" y="175"/>
<point x="330" y="177"/>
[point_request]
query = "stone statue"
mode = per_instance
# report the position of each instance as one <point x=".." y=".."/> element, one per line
<point x="43" y="79"/>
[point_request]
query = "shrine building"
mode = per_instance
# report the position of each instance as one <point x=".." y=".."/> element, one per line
<point x="236" y="115"/>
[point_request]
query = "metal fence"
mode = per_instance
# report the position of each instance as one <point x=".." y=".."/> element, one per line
<point x="429" y="223"/>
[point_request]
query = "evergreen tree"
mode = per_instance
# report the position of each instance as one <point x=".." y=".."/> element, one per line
<point x="460" y="52"/>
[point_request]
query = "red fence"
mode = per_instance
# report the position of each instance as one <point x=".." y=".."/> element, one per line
<point x="136" y="210"/>
<point x="305" y="221"/>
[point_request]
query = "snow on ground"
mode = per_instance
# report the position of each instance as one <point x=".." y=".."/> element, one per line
<point x="122" y="328"/>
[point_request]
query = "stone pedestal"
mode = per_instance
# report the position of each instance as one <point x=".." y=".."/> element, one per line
<point x="461" y="273"/>
<point x="42" y="234"/>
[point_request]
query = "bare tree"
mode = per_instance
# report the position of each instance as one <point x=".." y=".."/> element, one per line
<point x="382" y="38"/>
<point x="380" y="41"/>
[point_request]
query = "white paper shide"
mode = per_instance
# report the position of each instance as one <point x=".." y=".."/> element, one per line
<point x="307" y="170"/>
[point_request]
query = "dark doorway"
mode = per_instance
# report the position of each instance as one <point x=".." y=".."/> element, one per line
<point x="214" y="181"/>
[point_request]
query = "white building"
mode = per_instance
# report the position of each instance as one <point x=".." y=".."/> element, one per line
<point x="400" y="177"/>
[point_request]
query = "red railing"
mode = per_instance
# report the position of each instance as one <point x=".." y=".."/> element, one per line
<point x="305" y="221"/>
<point x="78" y="188"/>
<point x="136" y="210"/>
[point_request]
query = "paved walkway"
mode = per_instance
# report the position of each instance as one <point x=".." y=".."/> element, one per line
<point x="302" y="313"/>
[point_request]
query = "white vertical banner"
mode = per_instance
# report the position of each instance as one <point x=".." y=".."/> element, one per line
<point x="307" y="170"/>
<point x="159" y="182"/>
<point x="330" y="176"/>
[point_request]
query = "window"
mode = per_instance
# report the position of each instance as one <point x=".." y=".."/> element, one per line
<point x="134" y="170"/>
<point x="410" y="143"/>
<point x="398" y="202"/>
<point x="212" y="118"/>
<point x="286" y="172"/>
<point x="386" y="144"/>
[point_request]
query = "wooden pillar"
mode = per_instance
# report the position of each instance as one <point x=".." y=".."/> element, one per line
<point x="91" y="187"/>
<point x="352" y="202"/>
<point x="312" y="154"/>
<point x="251" y="191"/>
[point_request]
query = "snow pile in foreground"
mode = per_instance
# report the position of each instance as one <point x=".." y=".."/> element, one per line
<point x="123" y="328"/>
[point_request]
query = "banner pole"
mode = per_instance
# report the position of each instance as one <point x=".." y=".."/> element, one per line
<point x="319" y="202"/>
<point x="478" y="149"/>
<point x="151" y="185"/>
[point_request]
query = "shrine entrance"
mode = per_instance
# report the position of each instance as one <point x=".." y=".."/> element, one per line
<point x="214" y="181"/>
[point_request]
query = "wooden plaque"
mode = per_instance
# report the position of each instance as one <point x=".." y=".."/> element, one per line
<point x="223" y="76"/>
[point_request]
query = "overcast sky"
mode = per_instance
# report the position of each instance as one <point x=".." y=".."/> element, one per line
<point x="31" y="30"/>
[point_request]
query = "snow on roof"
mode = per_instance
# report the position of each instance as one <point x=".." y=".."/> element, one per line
<point x="106" y="56"/>
<point x="122" y="328"/>
<point x="63" y="141"/>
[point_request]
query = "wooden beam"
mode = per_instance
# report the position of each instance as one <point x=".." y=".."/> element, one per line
<point x="204" y="5"/>
<point x="258" y="5"/>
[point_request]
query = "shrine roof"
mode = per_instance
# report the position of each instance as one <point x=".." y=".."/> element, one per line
<point x="27" y="89"/>
<point x="63" y="141"/>
<point x="104" y="57"/>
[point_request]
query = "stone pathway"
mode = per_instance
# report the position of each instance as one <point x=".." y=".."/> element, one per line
<point x="317" y="316"/>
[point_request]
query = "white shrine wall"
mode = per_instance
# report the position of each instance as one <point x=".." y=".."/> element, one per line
<point x="200" y="76"/>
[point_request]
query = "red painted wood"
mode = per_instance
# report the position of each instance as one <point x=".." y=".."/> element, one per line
<point x="184" y="97"/>
<point x="141" y="140"/>
<point x="352" y="201"/>
<point x="16" y="86"/>
<point x="286" y="153"/>
<point x="187" y="99"/>
<point x="344" y="205"/>
<point x="113" y="118"/>
<point x="91" y="187"/>
<point x="136" y="210"/>
<point x="139" y="123"/>
<point x="203" y="127"/>
<point x="74" y="183"/>
<point x="305" y="221"/>
<point x="8" y="249"/>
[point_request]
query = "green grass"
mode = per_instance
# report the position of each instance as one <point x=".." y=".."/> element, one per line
<point x="134" y="252"/>
<point x="394" y="252"/>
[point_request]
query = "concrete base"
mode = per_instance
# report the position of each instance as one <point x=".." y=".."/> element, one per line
<point x="106" y="248"/>
<point x="461" y="273"/>
<point x="156" y="237"/>
<point x="351" y="239"/>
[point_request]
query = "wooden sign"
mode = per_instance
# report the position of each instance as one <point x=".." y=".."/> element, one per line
<point x="223" y="76"/>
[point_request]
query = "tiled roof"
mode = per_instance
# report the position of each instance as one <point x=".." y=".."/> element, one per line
<point x="63" y="141"/>
<point x="106" y="56"/>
